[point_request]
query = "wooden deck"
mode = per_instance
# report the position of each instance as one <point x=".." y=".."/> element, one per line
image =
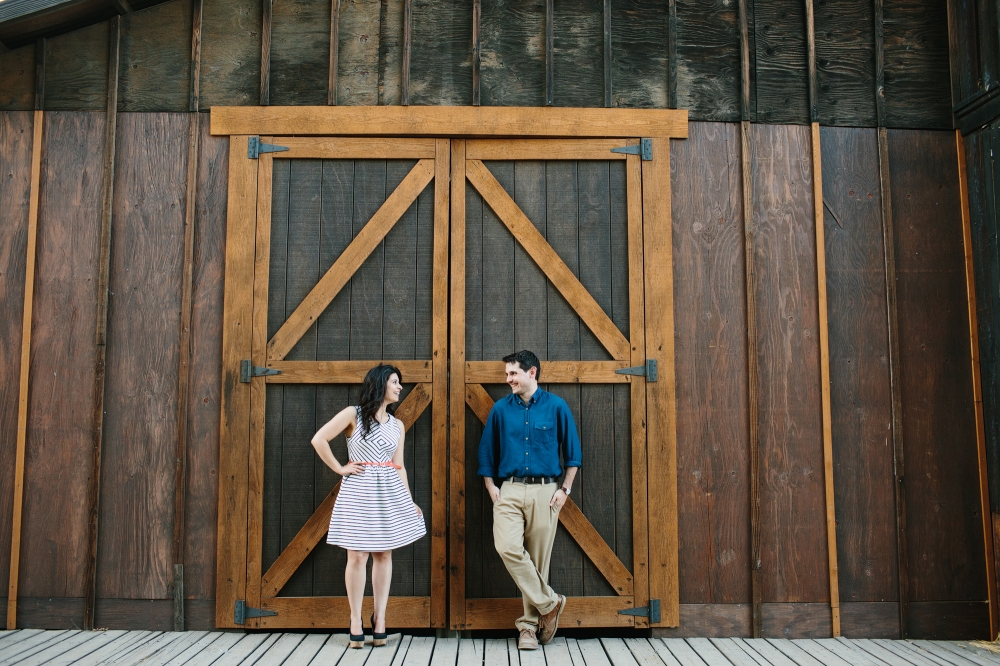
<point x="31" y="647"/>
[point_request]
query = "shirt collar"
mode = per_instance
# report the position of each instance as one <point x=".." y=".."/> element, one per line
<point x="535" y="397"/>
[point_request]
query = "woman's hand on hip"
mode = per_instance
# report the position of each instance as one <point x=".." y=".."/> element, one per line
<point x="419" y="512"/>
<point x="351" y="468"/>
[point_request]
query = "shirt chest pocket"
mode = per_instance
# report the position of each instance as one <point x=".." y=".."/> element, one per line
<point x="544" y="433"/>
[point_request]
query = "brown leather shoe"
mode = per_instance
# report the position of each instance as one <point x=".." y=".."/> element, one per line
<point x="527" y="640"/>
<point x="550" y="621"/>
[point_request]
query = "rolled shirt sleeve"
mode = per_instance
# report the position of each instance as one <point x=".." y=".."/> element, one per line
<point x="569" y="438"/>
<point x="489" y="445"/>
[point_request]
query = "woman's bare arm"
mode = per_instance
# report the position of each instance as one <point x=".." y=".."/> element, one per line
<point x="321" y="442"/>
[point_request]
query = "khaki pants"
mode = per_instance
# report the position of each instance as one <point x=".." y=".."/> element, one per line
<point x="524" y="529"/>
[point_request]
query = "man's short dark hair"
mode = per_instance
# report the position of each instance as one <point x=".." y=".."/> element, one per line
<point x="526" y="359"/>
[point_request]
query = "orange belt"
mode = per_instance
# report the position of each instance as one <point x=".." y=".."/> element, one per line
<point x="380" y="464"/>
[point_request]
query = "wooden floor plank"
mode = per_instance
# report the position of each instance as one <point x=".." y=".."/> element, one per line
<point x="121" y="645"/>
<point x="618" y="652"/>
<point x="708" y="652"/>
<point x="593" y="652"/>
<point x="146" y="650"/>
<point x="942" y="650"/>
<point x="805" y="652"/>
<point x="513" y="654"/>
<point x="643" y="652"/>
<point x="876" y="650"/>
<point x="12" y="636"/>
<point x="665" y="655"/>
<point x="843" y="649"/>
<point x="420" y="651"/>
<point x="770" y="654"/>
<point x="556" y="653"/>
<point x="574" y="652"/>
<point x="99" y="639"/>
<point x="386" y="654"/>
<point x="926" y="655"/>
<point x="404" y="647"/>
<point x="495" y="652"/>
<point x="531" y="657"/>
<point x="682" y="652"/>
<point x="304" y="652"/>
<point x="966" y="647"/>
<point x="897" y="648"/>
<point x="42" y="657"/>
<point x="168" y="651"/>
<point x="445" y="652"/>
<point x="356" y="657"/>
<point x="206" y="650"/>
<point x="26" y="648"/>
<point x="734" y="653"/>
<point x="248" y="646"/>
<point x="278" y="652"/>
<point x="470" y="651"/>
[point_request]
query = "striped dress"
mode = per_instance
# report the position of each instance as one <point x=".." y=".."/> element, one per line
<point x="374" y="511"/>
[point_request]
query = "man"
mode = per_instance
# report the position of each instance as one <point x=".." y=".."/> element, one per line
<point x="520" y="447"/>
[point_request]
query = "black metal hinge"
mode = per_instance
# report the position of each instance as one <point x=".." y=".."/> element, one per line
<point x="645" y="149"/>
<point x="255" y="147"/>
<point x="648" y="370"/>
<point x="248" y="370"/>
<point x="242" y="612"/>
<point x="652" y="611"/>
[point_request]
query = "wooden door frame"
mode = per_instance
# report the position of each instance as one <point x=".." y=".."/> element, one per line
<point x="240" y="123"/>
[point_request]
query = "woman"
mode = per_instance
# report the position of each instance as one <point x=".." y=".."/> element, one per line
<point x="375" y="511"/>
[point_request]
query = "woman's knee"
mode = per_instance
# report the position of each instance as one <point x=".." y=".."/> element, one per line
<point x="382" y="557"/>
<point x="357" y="557"/>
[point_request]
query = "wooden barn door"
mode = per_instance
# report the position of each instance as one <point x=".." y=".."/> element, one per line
<point x="350" y="269"/>
<point x="547" y="255"/>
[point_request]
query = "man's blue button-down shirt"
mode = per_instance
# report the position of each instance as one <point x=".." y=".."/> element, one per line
<point x="525" y="439"/>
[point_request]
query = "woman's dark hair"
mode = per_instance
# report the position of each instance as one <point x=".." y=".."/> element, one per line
<point x="372" y="393"/>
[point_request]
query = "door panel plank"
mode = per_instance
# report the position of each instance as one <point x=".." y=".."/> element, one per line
<point x="547" y="259"/>
<point x="582" y="612"/>
<point x="349" y="148"/>
<point x="351" y="260"/>
<point x="335" y="612"/>
<point x="545" y="149"/>
<point x="556" y="372"/>
<point x="342" y="372"/>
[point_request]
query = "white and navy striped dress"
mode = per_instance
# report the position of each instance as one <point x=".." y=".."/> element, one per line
<point x="374" y="511"/>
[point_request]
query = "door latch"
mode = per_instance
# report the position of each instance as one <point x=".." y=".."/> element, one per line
<point x="648" y="370"/>
<point x="652" y="611"/>
<point x="248" y="371"/>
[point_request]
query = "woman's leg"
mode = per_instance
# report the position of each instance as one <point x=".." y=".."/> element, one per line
<point x="381" y="578"/>
<point x="354" y="578"/>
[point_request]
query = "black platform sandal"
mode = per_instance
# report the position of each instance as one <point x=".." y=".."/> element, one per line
<point x="357" y="641"/>
<point x="378" y="640"/>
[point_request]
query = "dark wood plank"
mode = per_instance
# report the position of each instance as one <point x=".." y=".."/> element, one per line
<point x="140" y="393"/>
<point x="394" y="46"/>
<point x="709" y="620"/>
<point x="964" y="47"/>
<point x="357" y="80"/>
<point x="578" y="44"/>
<point x="57" y="480"/>
<point x="797" y="620"/>
<point x="17" y="79"/>
<point x="267" y="11"/>
<point x="944" y="531"/>
<point x="780" y="62"/>
<point x="15" y="161"/>
<point x="440" y="65"/>
<point x="205" y="387"/>
<point x="712" y="446"/>
<point x="563" y="191"/>
<point x="845" y="62"/>
<point x="859" y="371"/>
<point x="869" y="619"/>
<point x="76" y="69"/>
<point x="300" y="52"/>
<point x="954" y="620"/>
<point x="156" y="58"/>
<point x="333" y="65"/>
<point x="512" y="66"/>
<point x="230" y="55"/>
<point x="638" y="54"/>
<point x="708" y="52"/>
<point x="917" y="76"/>
<point x="793" y="534"/>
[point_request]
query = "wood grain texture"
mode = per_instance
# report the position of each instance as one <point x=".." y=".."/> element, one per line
<point x="204" y="395"/>
<point x="230" y="53"/>
<point x="917" y="76"/>
<point x="709" y="620"/>
<point x="58" y="469"/>
<point x="788" y="350"/>
<point x="963" y="37"/>
<point x="942" y="525"/>
<point x="869" y="619"/>
<point x="76" y="66"/>
<point x="845" y="62"/>
<point x="638" y="56"/>
<point x="780" y="76"/>
<point x="351" y="148"/>
<point x="943" y="620"/>
<point x="859" y="367"/>
<point x="17" y="79"/>
<point x="578" y="46"/>
<point x="140" y="394"/>
<point x="712" y="447"/>
<point x="15" y="165"/>
<point x="440" y="65"/>
<point x="581" y="612"/>
<point x="556" y="372"/>
<point x="342" y="372"/>
<point x="300" y="52"/>
<point x="25" y="365"/>
<point x="546" y="149"/>
<point x="512" y="60"/>
<point x="357" y="79"/>
<point x="456" y="394"/>
<point x="394" y="47"/>
<point x="708" y="59"/>
<point x="334" y="612"/>
<point x="156" y="58"/>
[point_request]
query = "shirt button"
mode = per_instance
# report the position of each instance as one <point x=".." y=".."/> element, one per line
<point x="526" y="439"/>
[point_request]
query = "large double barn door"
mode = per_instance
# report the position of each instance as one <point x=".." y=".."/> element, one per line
<point x="547" y="254"/>
<point x="350" y="269"/>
